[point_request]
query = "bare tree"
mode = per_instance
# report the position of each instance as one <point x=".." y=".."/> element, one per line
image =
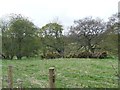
<point x="88" y="31"/>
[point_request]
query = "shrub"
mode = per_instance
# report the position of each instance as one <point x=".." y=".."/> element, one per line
<point x="88" y="55"/>
<point x="103" y="55"/>
<point x="100" y="55"/>
<point x="51" y="55"/>
<point x="84" y="55"/>
<point x="71" y="55"/>
<point x="95" y="55"/>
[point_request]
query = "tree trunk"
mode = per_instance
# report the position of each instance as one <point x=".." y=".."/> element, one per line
<point x="90" y="48"/>
<point x="19" y="57"/>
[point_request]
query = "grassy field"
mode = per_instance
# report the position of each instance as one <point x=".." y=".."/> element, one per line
<point x="70" y="73"/>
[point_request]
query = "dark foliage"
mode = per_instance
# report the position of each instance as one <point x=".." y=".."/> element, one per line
<point x="51" y="55"/>
<point x="100" y="55"/>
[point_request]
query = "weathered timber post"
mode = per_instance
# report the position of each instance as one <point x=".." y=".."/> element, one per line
<point x="52" y="78"/>
<point x="19" y="82"/>
<point x="10" y="78"/>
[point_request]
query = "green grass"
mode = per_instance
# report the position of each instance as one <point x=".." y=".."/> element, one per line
<point x="70" y="73"/>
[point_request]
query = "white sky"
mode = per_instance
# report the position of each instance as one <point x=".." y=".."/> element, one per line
<point x="42" y="12"/>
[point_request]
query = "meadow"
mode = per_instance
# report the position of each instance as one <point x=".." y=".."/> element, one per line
<point x="70" y="73"/>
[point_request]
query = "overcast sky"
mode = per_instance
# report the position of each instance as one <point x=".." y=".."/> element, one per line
<point x="44" y="11"/>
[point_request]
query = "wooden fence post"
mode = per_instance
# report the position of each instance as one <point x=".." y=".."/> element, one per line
<point x="52" y="78"/>
<point x="10" y="77"/>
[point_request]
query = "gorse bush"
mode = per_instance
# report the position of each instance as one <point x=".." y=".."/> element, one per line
<point x="88" y="55"/>
<point x="51" y="55"/>
<point x="84" y="55"/>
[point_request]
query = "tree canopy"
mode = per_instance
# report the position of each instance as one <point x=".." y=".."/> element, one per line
<point x="21" y="38"/>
